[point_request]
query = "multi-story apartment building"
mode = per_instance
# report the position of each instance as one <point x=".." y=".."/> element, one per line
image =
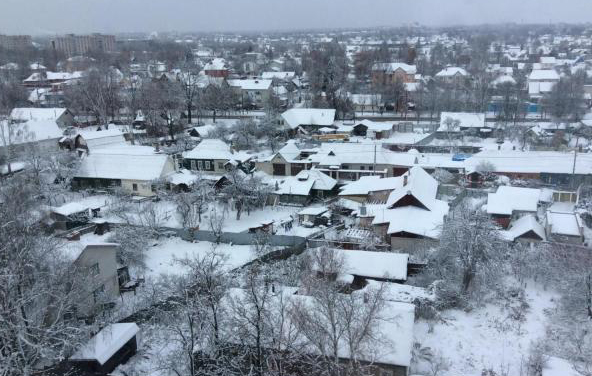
<point x="73" y="45"/>
<point x="15" y="42"/>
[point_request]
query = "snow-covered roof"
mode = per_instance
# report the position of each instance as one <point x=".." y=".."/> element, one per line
<point x="107" y="342"/>
<point x="91" y="202"/>
<point x="373" y="183"/>
<point x="504" y="79"/>
<point x="414" y="220"/>
<point x="376" y="126"/>
<point x="29" y="131"/>
<point x="280" y="75"/>
<point x="452" y="71"/>
<point x="508" y="199"/>
<point x="112" y="165"/>
<point x="216" y="64"/>
<point x="563" y="223"/>
<point x="392" y="67"/>
<point x="250" y="84"/>
<point x="532" y="162"/>
<point x="183" y="176"/>
<point x="314" y="210"/>
<point x="296" y="117"/>
<point x="522" y="226"/>
<point x="420" y="185"/>
<point x="103" y="138"/>
<point x="210" y="149"/>
<point x="374" y="264"/>
<point x="53" y="76"/>
<point x="26" y="114"/>
<point x="543" y="75"/>
<point x="304" y="181"/>
<point x="465" y="120"/>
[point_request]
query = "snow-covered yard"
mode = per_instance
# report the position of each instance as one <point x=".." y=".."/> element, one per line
<point x="487" y="338"/>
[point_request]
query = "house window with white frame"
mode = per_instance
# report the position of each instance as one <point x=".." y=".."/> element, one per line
<point x="200" y="165"/>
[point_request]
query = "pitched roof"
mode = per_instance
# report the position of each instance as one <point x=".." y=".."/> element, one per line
<point x="296" y="117"/>
<point x="112" y="165"/>
<point x="451" y="71"/>
<point x="465" y="120"/>
<point x="107" y="342"/>
<point x="373" y="183"/>
<point x="420" y="185"/>
<point x="37" y="113"/>
<point x="508" y="199"/>
<point x="391" y="67"/>
<point x="29" y="131"/>
<point x="250" y="84"/>
<point x="544" y="75"/>
<point x="524" y="225"/>
<point x="210" y="149"/>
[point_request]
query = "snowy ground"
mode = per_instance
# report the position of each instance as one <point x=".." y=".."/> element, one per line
<point x="168" y="217"/>
<point x="486" y="338"/>
<point x="160" y="259"/>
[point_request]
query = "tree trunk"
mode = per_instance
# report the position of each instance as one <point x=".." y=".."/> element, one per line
<point x="467" y="279"/>
<point x="189" y="117"/>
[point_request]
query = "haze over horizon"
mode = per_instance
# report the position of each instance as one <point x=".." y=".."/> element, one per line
<point x="39" y="17"/>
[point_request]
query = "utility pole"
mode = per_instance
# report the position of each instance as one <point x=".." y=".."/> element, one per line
<point x="573" y="171"/>
<point x="374" y="164"/>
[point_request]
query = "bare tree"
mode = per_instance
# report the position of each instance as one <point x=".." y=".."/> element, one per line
<point x="470" y="245"/>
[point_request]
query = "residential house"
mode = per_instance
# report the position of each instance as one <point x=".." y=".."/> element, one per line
<point x="371" y="189"/>
<point x="563" y="226"/>
<point x="376" y="266"/>
<point x="412" y="215"/>
<point x="308" y="119"/>
<point x="509" y="203"/>
<point x="53" y="80"/>
<point x="99" y="263"/>
<point x="214" y="156"/>
<point x="217" y="68"/>
<point x="43" y="134"/>
<point x="305" y="187"/>
<point x="372" y="129"/>
<point x="389" y="73"/>
<point x="288" y="161"/>
<point x="551" y="167"/>
<point x="452" y="76"/>
<point x="453" y="123"/>
<point x="61" y="116"/>
<point x="252" y="92"/>
<point x="132" y="169"/>
<point x="541" y="81"/>
<point x="525" y="229"/>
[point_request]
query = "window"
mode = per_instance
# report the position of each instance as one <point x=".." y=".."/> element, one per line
<point x="98" y="293"/>
<point x="192" y="164"/>
<point x="134" y="187"/>
<point x="362" y="167"/>
<point x="207" y="164"/>
<point x="94" y="269"/>
<point x="220" y="166"/>
<point x="200" y="165"/>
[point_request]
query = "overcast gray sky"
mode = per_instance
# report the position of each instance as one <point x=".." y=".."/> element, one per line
<point x="78" y="16"/>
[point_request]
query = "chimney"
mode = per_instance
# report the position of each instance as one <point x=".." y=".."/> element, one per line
<point x="405" y="179"/>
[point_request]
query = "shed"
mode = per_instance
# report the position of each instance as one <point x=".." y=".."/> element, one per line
<point x="109" y="348"/>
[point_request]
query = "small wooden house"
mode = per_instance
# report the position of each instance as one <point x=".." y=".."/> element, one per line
<point x="110" y="347"/>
